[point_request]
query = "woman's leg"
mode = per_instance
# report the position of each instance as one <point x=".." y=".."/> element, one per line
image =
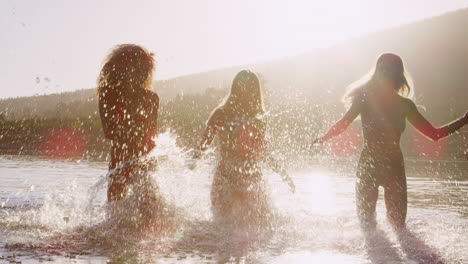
<point x="118" y="182"/>
<point x="396" y="201"/>
<point x="367" y="192"/>
<point x="115" y="190"/>
<point x="117" y="186"/>
<point x="220" y="195"/>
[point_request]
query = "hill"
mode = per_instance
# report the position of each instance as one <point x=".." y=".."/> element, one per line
<point x="434" y="50"/>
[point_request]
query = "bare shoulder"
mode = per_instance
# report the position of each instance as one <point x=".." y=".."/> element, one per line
<point x="408" y="105"/>
<point x="407" y="102"/>
<point x="151" y="95"/>
<point x="358" y="101"/>
<point x="108" y="95"/>
<point x="217" y="116"/>
<point x="218" y="112"/>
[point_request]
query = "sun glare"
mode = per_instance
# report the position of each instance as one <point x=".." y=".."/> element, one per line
<point x="319" y="196"/>
<point x="304" y="25"/>
<point x="316" y="257"/>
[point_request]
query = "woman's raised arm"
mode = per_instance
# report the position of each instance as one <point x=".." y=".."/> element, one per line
<point x="426" y="128"/>
<point x="208" y="135"/>
<point x="343" y="123"/>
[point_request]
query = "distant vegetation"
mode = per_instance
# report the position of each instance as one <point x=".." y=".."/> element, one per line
<point x="302" y="95"/>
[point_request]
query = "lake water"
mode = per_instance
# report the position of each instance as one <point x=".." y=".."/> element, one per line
<point x="54" y="211"/>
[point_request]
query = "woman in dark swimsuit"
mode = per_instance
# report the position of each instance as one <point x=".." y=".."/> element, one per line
<point x="383" y="114"/>
<point x="238" y="190"/>
<point x="128" y="108"/>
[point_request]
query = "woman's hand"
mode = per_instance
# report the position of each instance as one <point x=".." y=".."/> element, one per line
<point x="316" y="141"/>
<point x="289" y="181"/>
<point x="278" y="168"/>
<point x="191" y="164"/>
<point x="194" y="155"/>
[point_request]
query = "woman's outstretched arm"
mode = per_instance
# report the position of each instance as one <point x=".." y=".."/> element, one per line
<point x="208" y="135"/>
<point x="343" y="123"/>
<point x="426" y="128"/>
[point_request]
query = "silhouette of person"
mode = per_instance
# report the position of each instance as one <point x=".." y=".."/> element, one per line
<point x="379" y="98"/>
<point x="238" y="188"/>
<point x="128" y="109"/>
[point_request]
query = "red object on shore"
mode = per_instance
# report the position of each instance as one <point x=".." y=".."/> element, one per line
<point x="64" y="142"/>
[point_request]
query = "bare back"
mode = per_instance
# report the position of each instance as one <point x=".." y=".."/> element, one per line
<point x="239" y="137"/>
<point x="383" y="119"/>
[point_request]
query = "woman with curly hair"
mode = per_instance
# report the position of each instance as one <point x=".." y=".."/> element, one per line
<point x="128" y="109"/>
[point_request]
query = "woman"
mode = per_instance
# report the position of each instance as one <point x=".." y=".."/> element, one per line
<point x="238" y="190"/>
<point x="383" y="108"/>
<point x="128" y="108"/>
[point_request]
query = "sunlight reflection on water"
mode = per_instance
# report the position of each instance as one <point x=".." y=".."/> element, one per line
<point x="318" y="192"/>
<point x="315" y="257"/>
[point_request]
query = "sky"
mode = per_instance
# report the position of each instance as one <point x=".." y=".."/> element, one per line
<point x="52" y="46"/>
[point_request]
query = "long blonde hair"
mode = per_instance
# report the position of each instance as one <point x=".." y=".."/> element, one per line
<point x="128" y="66"/>
<point x="389" y="66"/>
<point x="245" y="95"/>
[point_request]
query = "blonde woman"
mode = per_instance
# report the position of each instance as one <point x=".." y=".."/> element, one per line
<point x="379" y="98"/>
<point x="238" y="189"/>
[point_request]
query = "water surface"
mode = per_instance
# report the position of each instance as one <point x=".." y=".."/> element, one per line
<point x="51" y="212"/>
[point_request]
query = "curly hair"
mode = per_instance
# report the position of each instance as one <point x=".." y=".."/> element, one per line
<point x="128" y="66"/>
